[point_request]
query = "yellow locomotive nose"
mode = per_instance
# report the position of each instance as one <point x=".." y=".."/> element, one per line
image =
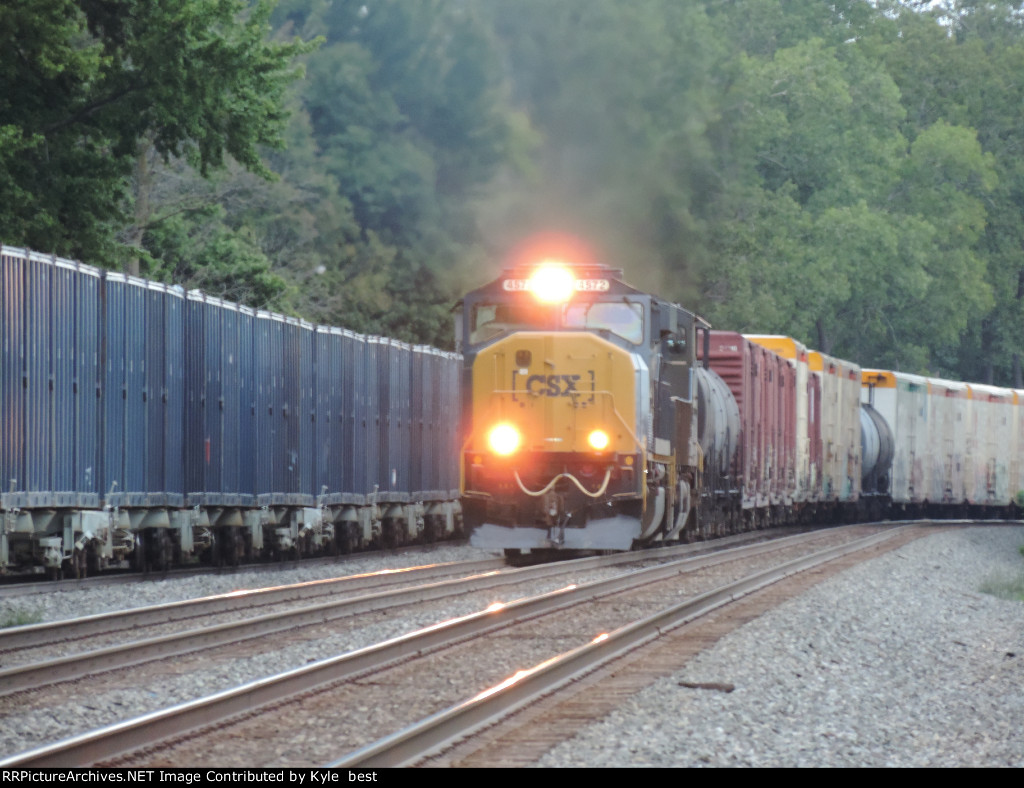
<point x="504" y="439"/>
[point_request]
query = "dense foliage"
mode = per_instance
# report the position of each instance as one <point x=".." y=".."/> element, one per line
<point x="850" y="173"/>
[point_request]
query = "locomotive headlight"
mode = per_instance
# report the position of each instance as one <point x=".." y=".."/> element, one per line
<point x="598" y="440"/>
<point x="504" y="439"/>
<point x="552" y="283"/>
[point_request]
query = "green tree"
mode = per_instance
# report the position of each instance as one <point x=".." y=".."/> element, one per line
<point x="406" y="112"/>
<point x="88" y="88"/>
<point x="965" y="72"/>
<point x="833" y="227"/>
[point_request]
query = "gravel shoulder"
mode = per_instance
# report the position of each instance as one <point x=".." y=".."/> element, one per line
<point x="901" y="661"/>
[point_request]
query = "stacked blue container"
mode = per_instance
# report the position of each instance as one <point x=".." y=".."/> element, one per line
<point x="132" y="415"/>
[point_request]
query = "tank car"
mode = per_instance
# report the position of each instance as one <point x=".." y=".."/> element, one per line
<point x="580" y="428"/>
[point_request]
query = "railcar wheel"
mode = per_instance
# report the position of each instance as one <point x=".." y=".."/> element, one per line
<point x="433" y="528"/>
<point x="166" y="550"/>
<point x="94" y="563"/>
<point x="139" y="555"/>
<point x="343" y="537"/>
<point x="389" y="529"/>
<point x="228" y="542"/>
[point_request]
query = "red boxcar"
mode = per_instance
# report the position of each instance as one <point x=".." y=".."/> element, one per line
<point x="764" y="386"/>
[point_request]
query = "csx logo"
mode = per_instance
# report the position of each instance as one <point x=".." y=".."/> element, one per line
<point x="552" y="385"/>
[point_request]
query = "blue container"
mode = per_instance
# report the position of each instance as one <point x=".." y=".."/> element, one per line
<point x="399" y="429"/>
<point x="195" y="392"/>
<point x="449" y="420"/>
<point x="143" y="392"/>
<point x="329" y="416"/>
<point x="305" y="415"/>
<point x="38" y="378"/>
<point x="285" y="394"/>
<point x="168" y="402"/>
<point x="62" y="379"/>
<point x="289" y="462"/>
<point x="220" y="406"/>
<point x="153" y="390"/>
<point x="12" y="374"/>
<point x="213" y="397"/>
<point x="433" y="440"/>
<point x="382" y="373"/>
<point x="246" y="404"/>
<point x="283" y="367"/>
<point x="136" y="421"/>
<point x="371" y="410"/>
<point x="354" y="460"/>
<point x="172" y="397"/>
<point x="48" y="408"/>
<point x="418" y="403"/>
<point x="114" y="394"/>
<point x="86" y="386"/>
<point x="266" y="369"/>
<point x="228" y="404"/>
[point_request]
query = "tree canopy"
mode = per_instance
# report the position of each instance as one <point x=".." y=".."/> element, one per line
<point x="85" y="83"/>
<point x="849" y="173"/>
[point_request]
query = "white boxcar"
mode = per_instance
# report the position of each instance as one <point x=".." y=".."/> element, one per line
<point x="840" y="426"/>
<point x="990" y="445"/>
<point x="902" y="400"/>
<point x="949" y="404"/>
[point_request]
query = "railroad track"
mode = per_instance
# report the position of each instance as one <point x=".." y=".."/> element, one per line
<point x="99" y="645"/>
<point x="369" y="678"/>
<point x="438" y="734"/>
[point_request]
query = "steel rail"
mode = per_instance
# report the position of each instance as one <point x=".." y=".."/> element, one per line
<point x="34" y="635"/>
<point x="433" y="734"/>
<point x="120" y="738"/>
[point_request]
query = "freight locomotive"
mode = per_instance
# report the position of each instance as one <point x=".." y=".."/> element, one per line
<point x="599" y="417"/>
<point x="142" y="425"/>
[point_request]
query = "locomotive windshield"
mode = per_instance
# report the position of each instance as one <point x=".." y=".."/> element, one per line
<point x="623" y="318"/>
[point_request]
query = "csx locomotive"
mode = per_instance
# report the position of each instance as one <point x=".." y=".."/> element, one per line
<point x="581" y="430"/>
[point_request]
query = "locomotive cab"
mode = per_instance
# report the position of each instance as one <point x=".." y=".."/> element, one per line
<point x="578" y="418"/>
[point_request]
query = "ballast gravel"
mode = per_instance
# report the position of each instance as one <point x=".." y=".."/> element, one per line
<point x="898" y="662"/>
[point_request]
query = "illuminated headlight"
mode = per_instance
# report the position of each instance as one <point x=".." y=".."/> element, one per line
<point x="504" y="439"/>
<point x="598" y="440"/>
<point x="552" y="283"/>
